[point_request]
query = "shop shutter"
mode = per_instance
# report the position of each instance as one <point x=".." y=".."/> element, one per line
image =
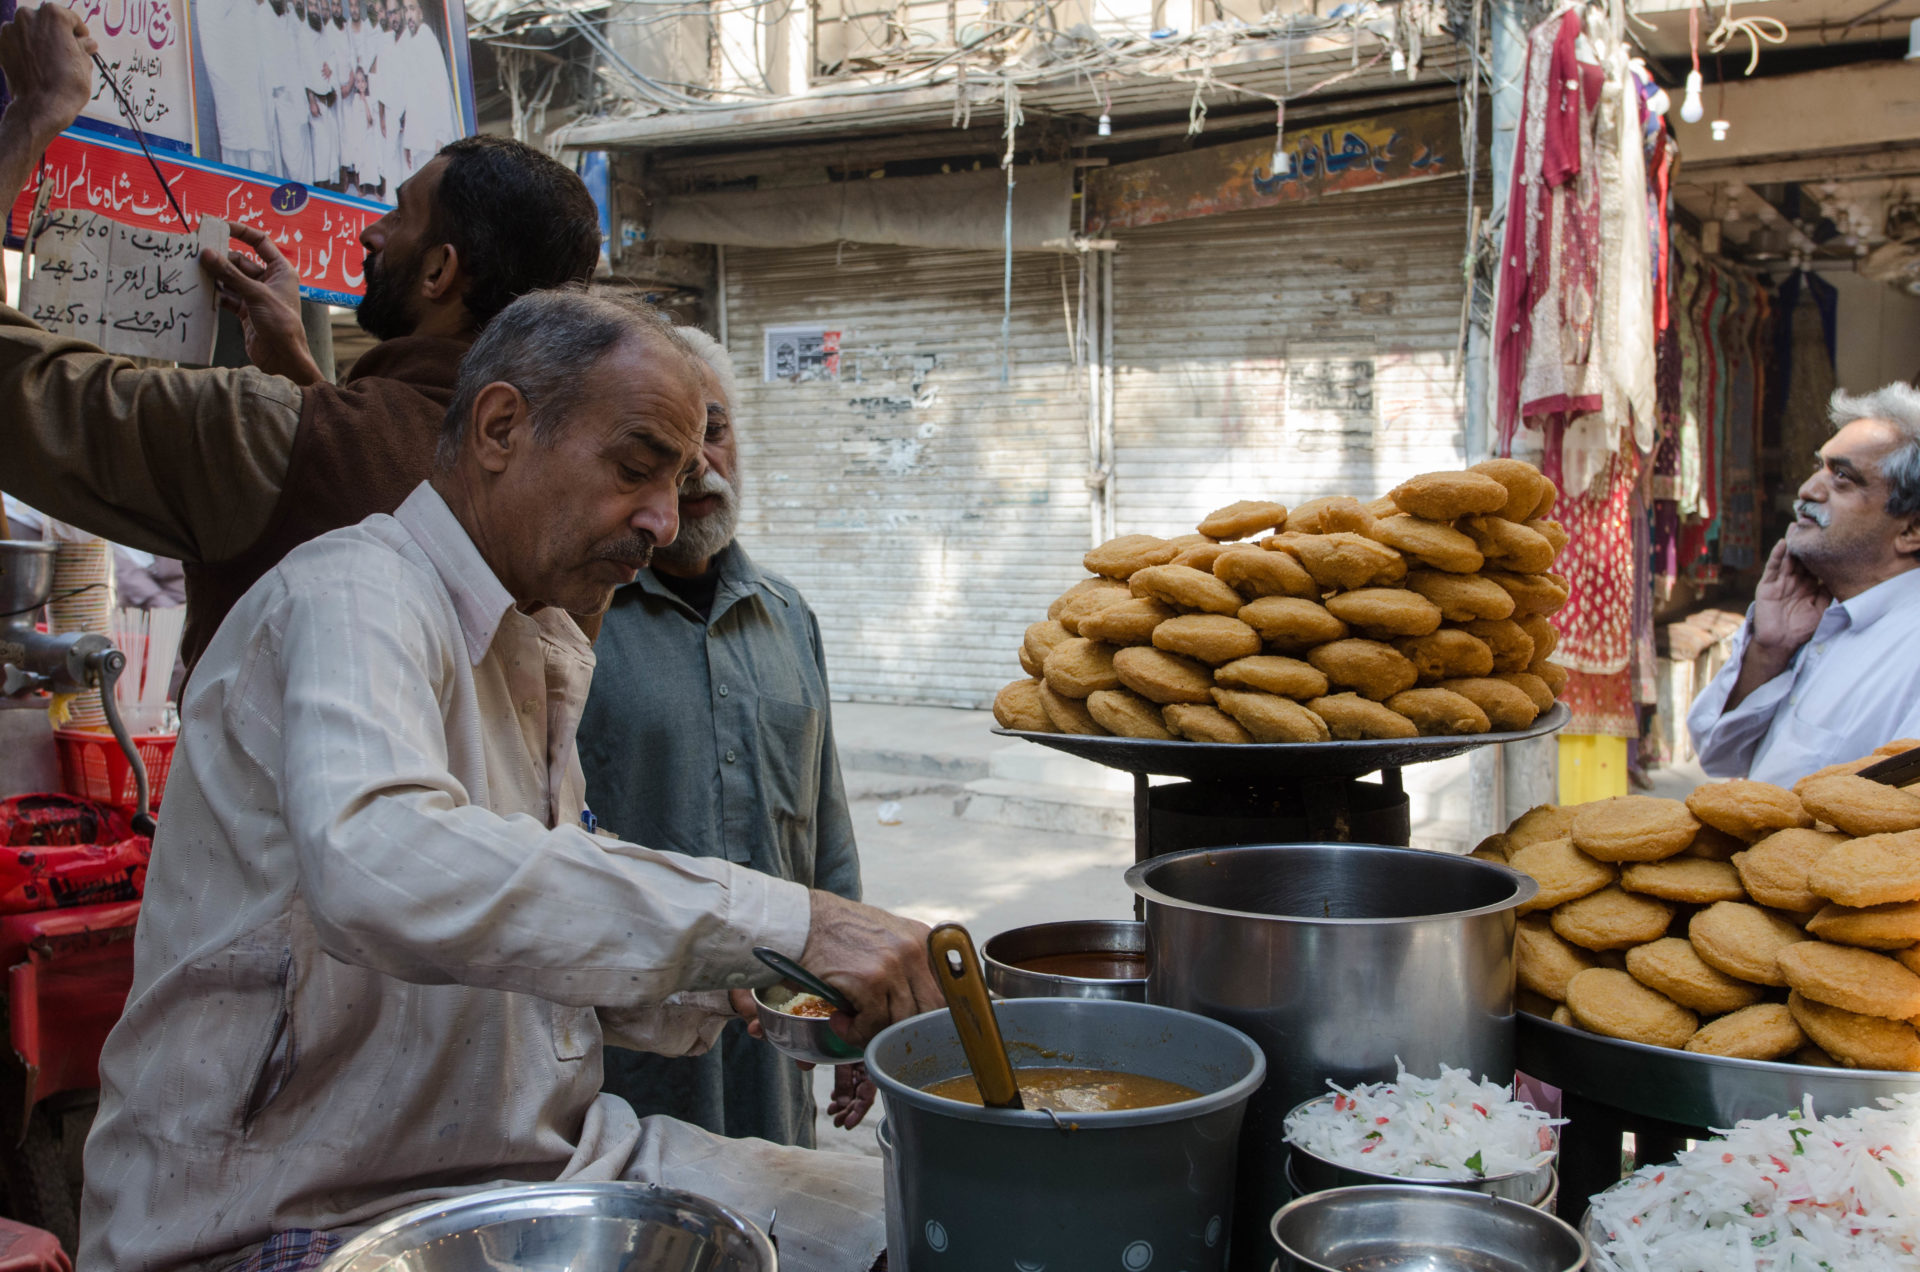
<point x="1286" y="353"/>
<point x="928" y="511"/>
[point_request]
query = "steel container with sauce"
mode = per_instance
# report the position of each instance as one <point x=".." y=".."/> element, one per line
<point x="1338" y="960"/>
<point x="1084" y="958"/>
<point x="970" y="1187"/>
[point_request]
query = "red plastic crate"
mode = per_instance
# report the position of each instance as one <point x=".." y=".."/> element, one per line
<point x="92" y="767"/>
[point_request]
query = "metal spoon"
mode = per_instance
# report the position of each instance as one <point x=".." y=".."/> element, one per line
<point x="802" y="977"/>
<point x="958" y="968"/>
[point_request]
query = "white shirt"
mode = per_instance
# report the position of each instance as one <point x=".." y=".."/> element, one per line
<point x="231" y="55"/>
<point x="377" y="951"/>
<point x="429" y="98"/>
<point x="1854" y="685"/>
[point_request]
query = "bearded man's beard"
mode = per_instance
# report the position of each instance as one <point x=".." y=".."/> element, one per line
<point x="383" y="310"/>
<point x="701" y="538"/>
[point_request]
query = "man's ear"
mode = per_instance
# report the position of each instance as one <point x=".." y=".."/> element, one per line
<point x="1907" y="542"/>
<point x="494" y="431"/>
<point x="441" y="278"/>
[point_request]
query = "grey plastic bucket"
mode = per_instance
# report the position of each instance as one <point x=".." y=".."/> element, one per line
<point x="972" y="1188"/>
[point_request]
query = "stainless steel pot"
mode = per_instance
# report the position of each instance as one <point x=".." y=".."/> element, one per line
<point x="562" y="1227"/>
<point x="971" y="1187"/>
<point x="1003" y="954"/>
<point x="1422" y="1228"/>
<point x="1337" y="959"/>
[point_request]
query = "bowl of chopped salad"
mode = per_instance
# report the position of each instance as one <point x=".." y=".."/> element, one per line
<point x="1453" y="1131"/>
<point x="1774" y="1194"/>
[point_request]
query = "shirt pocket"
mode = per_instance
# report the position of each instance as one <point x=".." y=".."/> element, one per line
<point x="254" y="978"/>
<point x="790" y="735"/>
<point x="575" y="1031"/>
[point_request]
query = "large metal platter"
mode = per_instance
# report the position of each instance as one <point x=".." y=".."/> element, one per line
<point x="1689" y="1089"/>
<point x="1255" y="762"/>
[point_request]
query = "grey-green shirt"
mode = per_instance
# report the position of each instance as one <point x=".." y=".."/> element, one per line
<point x="713" y="737"/>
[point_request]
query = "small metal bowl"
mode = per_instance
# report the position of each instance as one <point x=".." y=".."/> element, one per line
<point x="1405" y="1226"/>
<point x="808" y="1038"/>
<point x="1002" y="956"/>
<point x="1311" y="1173"/>
<point x="562" y="1227"/>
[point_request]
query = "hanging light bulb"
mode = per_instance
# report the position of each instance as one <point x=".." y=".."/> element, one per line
<point x="1720" y="127"/>
<point x="1692" y="109"/>
<point x="1282" y="161"/>
<point x="1105" y="126"/>
<point x="1399" y="60"/>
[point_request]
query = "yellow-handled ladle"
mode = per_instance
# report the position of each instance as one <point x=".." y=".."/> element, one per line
<point x="957" y="966"/>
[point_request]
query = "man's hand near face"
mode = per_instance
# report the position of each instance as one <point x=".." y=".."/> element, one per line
<point x="1787" y="608"/>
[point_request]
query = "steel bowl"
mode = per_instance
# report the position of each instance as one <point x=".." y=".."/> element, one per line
<point x="808" y="1038"/>
<point x="1002" y="955"/>
<point x="1406" y="1228"/>
<point x="1312" y="1173"/>
<point x="562" y="1227"/>
<point x="1353" y="1179"/>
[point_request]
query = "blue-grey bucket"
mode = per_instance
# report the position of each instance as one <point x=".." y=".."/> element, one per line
<point x="1139" y="1189"/>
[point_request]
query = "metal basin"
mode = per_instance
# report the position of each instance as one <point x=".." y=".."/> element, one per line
<point x="1312" y="1173"/>
<point x="1003" y="955"/>
<point x="1337" y="959"/>
<point x="562" y="1227"/>
<point x="1405" y="1228"/>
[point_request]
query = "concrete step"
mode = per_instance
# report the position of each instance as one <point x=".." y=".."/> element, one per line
<point x="1031" y="762"/>
<point x="937" y="742"/>
<point x="868" y="784"/>
<point x="1073" y="810"/>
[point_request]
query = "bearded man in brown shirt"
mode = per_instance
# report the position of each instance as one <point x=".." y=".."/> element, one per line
<point x="228" y="469"/>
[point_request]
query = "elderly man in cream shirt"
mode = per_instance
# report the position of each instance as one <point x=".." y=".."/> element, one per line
<point x="381" y="946"/>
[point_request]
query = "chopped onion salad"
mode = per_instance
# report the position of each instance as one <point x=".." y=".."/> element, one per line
<point x="1776" y="1194"/>
<point x="1450" y="1127"/>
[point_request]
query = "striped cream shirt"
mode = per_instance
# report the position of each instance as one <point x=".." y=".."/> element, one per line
<point x="378" y="953"/>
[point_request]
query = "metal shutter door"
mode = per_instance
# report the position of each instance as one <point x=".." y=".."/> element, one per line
<point x="1286" y="353"/>
<point x="928" y="511"/>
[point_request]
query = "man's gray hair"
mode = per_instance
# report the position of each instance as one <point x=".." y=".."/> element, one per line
<point x="714" y="354"/>
<point x="543" y="344"/>
<point x="1899" y="405"/>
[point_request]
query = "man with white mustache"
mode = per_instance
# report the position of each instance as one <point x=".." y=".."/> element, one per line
<point x="1827" y="668"/>
<point x="708" y="731"/>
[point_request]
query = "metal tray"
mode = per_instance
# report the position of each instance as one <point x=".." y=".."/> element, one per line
<point x="1260" y="761"/>
<point x="1688" y="1089"/>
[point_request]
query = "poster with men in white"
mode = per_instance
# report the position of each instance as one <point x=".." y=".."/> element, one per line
<point x="353" y="96"/>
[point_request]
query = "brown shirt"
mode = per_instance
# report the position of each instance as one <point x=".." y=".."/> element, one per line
<point x="226" y="469"/>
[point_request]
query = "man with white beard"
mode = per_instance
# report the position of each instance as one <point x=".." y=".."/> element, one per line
<point x="284" y="39"/>
<point x="228" y="31"/>
<point x="429" y="122"/>
<point x="359" y="122"/>
<point x="388" y="78"/>
<point x="708" y="732"/>
<point x="323" y="92"/>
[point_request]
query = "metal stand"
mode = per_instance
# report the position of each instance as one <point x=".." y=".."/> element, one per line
<point x="1591" y="1148"/>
